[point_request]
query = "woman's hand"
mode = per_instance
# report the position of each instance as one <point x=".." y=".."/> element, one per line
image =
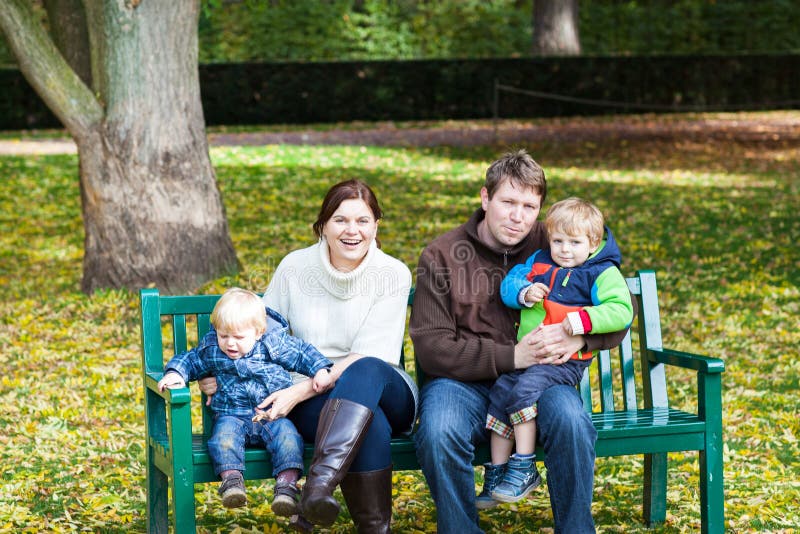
<point x="208" y="385"/>
<point x="281" y="402"/>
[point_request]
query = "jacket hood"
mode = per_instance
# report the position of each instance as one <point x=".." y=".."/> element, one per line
<point x="608" y="251"/>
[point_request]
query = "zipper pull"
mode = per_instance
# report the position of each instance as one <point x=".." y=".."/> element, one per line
<point x="566" y="279"/>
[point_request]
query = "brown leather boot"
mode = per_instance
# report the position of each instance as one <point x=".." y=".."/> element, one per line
<point x="342" y="427"/>
<point x="369" y="498"/>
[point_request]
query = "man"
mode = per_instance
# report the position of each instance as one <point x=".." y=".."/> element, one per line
<point x="464" y="338"/>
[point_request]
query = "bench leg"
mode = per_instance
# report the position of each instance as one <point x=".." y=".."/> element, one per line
<point x="654" y="506"/>
<point x="183" y="501"/>
<point x="157" y="500"/>
<point x="712" y="497"/>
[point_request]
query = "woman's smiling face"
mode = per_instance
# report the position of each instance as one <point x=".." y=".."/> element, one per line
<point x="349" y="233"/>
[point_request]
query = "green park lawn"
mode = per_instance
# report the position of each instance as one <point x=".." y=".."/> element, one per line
<point x="716" y="218"/>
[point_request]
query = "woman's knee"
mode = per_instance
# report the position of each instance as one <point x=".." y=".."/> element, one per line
<point x="367" y="370"/>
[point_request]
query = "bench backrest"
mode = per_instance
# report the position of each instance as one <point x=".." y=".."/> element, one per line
<point x="600" y="376"/>
<point x="172" y="324"/>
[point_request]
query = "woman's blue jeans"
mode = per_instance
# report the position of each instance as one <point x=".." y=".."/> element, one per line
<point x="232" y="434"/>
<point x="375" y="384"/>
<point x="452" y="420"/>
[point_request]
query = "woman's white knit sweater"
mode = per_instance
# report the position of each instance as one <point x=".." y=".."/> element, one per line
<point x="362" y="311"/>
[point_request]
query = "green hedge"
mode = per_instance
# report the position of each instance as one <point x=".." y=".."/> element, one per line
<point x="298" y="93"/>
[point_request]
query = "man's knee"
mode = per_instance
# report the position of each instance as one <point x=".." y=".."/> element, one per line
<point x="451" y="415"/>
<point x="561" y="413"/>
<point x="438" y="427"/>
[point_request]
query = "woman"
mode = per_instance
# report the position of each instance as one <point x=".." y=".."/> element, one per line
<point x="347" y="298"/>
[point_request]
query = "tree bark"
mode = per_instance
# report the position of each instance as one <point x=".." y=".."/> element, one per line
<point x="70" y="35"/>
<point x="555" y="28"/>
<point x="152" y="212"/>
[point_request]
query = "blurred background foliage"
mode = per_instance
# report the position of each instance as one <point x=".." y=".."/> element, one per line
<point x="314" y="30"/>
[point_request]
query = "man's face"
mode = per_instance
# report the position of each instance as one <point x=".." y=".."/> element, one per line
<point x="510" y="214"/>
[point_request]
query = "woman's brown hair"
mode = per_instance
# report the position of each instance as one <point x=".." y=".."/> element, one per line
<point x="347" y="190"/>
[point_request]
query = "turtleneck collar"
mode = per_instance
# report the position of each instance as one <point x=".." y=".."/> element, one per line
<point x="340" y="283"/>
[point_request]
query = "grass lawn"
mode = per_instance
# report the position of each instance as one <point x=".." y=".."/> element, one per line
<point x="717" y="219"/>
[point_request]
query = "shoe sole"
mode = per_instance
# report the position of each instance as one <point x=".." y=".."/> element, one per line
<point x="322" y="512"/>
<point x="285" y="507"/>
<point x="234" y="500"/>
<point x="514" y="498"/>
<point x="485" y="505"/>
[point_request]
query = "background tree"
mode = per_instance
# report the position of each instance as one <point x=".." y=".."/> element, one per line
<point x="555" y="28"/>
<point x="152" y="211"/>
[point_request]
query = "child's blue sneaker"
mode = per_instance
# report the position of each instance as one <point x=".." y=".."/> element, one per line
<point x="492" y="475"/>
<point x="520" y="479"/>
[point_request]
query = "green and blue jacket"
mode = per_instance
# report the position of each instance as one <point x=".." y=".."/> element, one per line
<point x="596" y="290"/>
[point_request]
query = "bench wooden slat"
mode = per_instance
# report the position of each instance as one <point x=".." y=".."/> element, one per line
<point x="631" y="417"/>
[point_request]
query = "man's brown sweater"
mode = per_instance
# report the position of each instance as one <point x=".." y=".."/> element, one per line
<point x="459" y="325"/>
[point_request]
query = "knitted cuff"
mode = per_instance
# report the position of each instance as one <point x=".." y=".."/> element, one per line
<point x="580" y="322"/>
<point x="521" y="297"/>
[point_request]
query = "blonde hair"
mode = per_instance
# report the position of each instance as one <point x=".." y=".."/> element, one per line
<point x="237" y="309"/>
<point x="574" y="216"/>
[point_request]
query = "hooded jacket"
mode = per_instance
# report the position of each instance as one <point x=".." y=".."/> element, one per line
<point x="595" y="288"/>
<point x="244" y="382"/>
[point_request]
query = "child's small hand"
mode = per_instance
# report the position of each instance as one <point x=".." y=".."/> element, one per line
<point x="321" y="381"/>
<point x="536" y="293"/>
<point x="171" y="380"/>
<point x="260" y="415"/>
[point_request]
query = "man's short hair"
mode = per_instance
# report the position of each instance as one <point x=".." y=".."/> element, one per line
<point x="521" y="169"/>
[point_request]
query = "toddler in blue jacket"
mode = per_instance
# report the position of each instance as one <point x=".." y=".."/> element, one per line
<point x="250" y="352"/>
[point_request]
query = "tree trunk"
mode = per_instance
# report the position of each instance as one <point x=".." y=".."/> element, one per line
<point x="155" y="220"/>
<point x="152" y="212"/>
<point x="70" y="35"/>
<point x="151" y="207"/>
<point x="555" y="28"/>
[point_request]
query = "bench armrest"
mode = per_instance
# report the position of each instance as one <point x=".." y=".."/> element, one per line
<point x="175" y="396"/>
<point x="687" y="360"/>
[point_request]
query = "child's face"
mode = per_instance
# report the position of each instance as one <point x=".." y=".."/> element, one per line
<point x="237" y="342"/>
<point x="570" y="250"/>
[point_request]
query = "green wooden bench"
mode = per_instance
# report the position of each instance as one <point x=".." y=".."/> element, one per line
<point x="630" y="418"/>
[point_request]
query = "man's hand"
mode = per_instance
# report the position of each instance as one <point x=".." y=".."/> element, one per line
<point x="547" y="344"/>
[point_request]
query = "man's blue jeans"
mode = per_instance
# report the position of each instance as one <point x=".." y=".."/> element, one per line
<point x="452" y="419"/>
<point x="231" y="434"/>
